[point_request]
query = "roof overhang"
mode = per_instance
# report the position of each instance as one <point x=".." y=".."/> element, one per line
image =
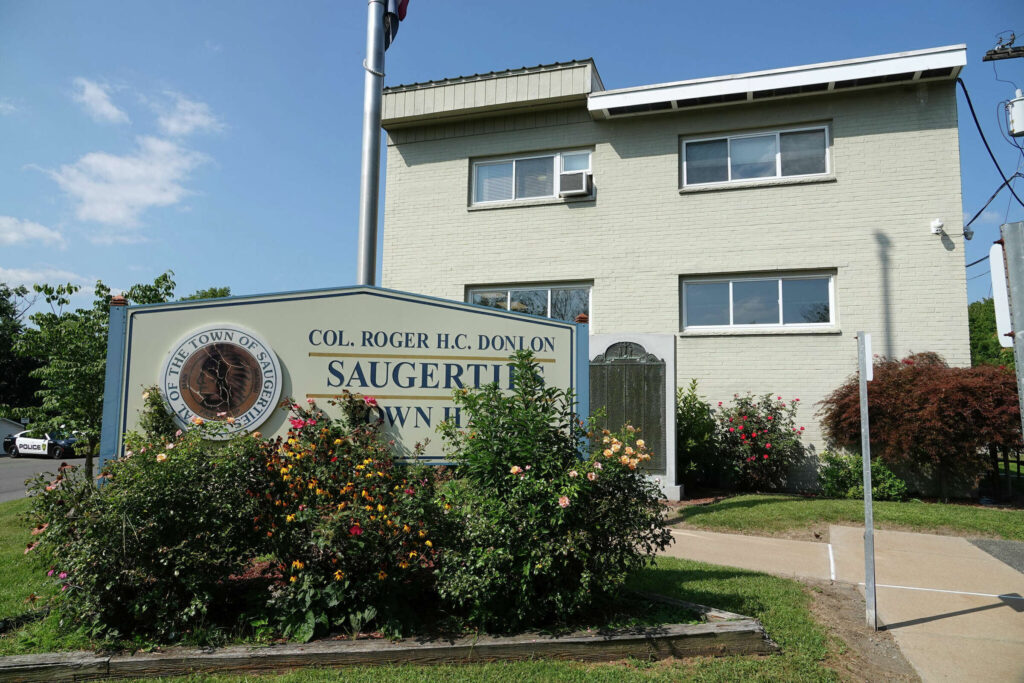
<point x="941" y="63"/>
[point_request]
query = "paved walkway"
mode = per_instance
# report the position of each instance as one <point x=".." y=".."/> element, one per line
<point x="956" y="612"/>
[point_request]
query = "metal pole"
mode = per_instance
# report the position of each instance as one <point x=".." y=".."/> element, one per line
<point x="864" y="361"/>
<point x="369" y="176"/>
<point x="1013" y="248"/>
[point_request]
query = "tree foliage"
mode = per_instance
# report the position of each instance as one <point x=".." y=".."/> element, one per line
<point x="208" y="293"/>
<point x="985" y="348"/>
<point x="17" y="386"/>
<point x="927" y="417"/>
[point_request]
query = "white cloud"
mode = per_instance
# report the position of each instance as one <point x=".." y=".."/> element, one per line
<point x="115" y="190"/>
<point x="95" y="97"/>
<point x="17" y="231"/>
<point x="7" y="107"/>
<point x="185" y="116"/>
<point x="31" y="276"/>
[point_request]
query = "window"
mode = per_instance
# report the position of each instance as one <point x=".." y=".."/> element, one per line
<point x="562" y="302"/>
<point x="745" y="158"/>
<point x="527" y="177"/>
<point x="797" y="301"/>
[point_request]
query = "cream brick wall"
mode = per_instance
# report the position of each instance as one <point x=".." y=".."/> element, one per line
<point x="896" y="163"/>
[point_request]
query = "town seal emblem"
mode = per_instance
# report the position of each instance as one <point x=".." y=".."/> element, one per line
<point x="222" y="371"/>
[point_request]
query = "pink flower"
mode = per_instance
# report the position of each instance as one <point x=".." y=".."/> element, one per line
<point x="573" y="474"/>
<point x="409" y="492"/>
<point x="564" y="501"/>
<point x="796" y="399"/>
<point x="309" y="401"/>
<point x="177" y="433"/>
<point x="295" y="406"/>
<point x="765" y="456"/>
<point x="719" y="403"/>
<point x="598" y="466"/>
<point x="515" y="469"/>
<point x="592" y="476"/>
<point x="222" y="413"/>
<point x="769" y="417"/>
<point x="355" y="530"/>
<point x="297" y="423"/>
<point x="779" y="397"/>
<point x="370" y="401"/>
<point x="62" y="575"/>
<point x="64" y="587"/>
<point x="732" y="429"/>
<point x="767" y="445"/>
<point x="528" y="467"/>
<point x="310" y="422"/>
<point x="170" y="446"/>
<point x="49" y="573"/>
<point x="801" y="429"/>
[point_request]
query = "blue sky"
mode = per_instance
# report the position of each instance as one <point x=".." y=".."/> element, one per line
<point x="221" y="139"/>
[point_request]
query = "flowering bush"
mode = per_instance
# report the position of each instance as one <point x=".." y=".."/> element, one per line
<point x="148" y="552"/>
<point x="759" y="440"/>
<point x="351" y="531"/>
<point x="544" y="530"/>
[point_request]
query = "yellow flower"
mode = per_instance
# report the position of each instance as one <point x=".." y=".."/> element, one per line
<point x="403" y="564"/>
<point x="290" y="518"/>
<point x="382" y="575"/>
<point x="607" y="452"/>
<point x="161" y="457"/>
<point x="197" y="420"/>
<point x="294" y="579"/>
<point x="406" y="528"/>
<point x="297" y="564"/>
<point x="337" y="442"/>
<point x="380" y="508"/>
<point x="422" y="533"/>
<point x="428" y="544"/>
<point x="629" y="450"/>
<point x="413" y="553"/>
<point x="606" y="439"/>
<point x="230" y="420"/>
<point x="640" y="443"/>
<point x="624" y="459"/>
<point x="616" y="446"/>
<point x="339" y="575"/>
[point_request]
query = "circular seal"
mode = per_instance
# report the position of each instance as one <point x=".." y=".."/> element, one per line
<point x="221" y="371"/>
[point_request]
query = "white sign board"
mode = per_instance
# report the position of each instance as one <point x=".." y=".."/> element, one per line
<point x="1000" y="295"/>
<point x="239" y="357"/>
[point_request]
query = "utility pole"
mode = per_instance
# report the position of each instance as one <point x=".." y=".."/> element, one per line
<point x="1013" y="248"/>
<point x="369" y="176"/>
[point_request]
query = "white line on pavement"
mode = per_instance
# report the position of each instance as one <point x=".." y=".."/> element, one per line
<point x="1005" y="596"/>
<point x="831" y="563"/>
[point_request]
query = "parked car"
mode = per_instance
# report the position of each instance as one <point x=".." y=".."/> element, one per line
<point x="50" y="445"/>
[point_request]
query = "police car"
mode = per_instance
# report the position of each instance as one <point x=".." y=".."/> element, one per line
<point x="29" y="442"/>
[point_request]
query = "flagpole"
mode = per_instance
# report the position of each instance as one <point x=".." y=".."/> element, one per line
<point x="369" y="177"/>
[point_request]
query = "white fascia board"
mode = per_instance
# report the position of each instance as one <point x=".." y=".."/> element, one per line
<point x="828" y="72"/>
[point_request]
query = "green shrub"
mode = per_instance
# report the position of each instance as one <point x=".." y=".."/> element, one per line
<point x="150" y="551"/>
<point x="352" y="532"/>
<point x="698" y="461"/>
<point x="842" y="476"/>
<point x="759" y="441"/>
<point x="544" y="531"/>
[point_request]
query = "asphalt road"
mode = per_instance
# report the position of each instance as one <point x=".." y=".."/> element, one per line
<point x="14" y="472"/>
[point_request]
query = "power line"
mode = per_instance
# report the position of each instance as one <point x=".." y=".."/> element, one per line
<point x="1005" y="183"/>
<point x="977" y="125"/>
<point x="974" y="263"/>
<point x="975" y="277"/>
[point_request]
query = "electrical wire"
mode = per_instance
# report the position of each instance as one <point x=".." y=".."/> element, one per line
<point x="974" y="263"/>
<point x="998" y="190"/>
<point x="975" y="277"/>
<point x="977" y="124"/>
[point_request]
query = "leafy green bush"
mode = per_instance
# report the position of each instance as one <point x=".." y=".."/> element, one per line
<point x="544" y="531"/>
<point x="352" y="533"/>
<point x="759" y="440"/>
<point x="150" y="551"/>
<point x="698" y="461"/>
<point x="841" y="476"/>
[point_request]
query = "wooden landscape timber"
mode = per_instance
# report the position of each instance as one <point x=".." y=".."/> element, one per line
<point x="724" y="635"/>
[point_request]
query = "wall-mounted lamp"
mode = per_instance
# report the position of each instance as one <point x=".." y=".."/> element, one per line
<point x="937" y="225"/>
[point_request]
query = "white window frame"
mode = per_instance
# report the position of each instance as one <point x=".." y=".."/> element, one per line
<point x="765" y="326"/>
<point x="470" y="291"/>
<point x="778" y="156"/>
<point x="556" y="167"/>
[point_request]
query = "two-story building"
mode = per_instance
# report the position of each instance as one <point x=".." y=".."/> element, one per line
<point x="754" y="221"/>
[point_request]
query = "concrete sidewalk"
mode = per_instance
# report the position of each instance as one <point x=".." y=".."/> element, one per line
<point x="956" y="612"/>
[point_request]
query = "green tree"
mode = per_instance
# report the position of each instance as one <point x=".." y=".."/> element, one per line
<point x="985" y="348"/>
<point x="72" y="350"/>
<point x="208" y="293"/>
<point x="17" y="387"/>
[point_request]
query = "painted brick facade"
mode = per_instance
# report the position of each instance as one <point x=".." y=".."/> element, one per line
<point x="896" y="167"/>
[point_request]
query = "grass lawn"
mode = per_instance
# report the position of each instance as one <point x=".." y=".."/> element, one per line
<point x="780" y="604"/>
<point x="767" y="514"/>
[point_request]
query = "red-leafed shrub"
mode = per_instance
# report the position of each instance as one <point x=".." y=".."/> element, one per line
<point x="928" y="419"/>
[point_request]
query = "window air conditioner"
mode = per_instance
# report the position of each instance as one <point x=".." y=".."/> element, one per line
<point x="575" y="183"/>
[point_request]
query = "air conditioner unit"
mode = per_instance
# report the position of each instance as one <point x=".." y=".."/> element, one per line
<point x="575" y="183"/>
